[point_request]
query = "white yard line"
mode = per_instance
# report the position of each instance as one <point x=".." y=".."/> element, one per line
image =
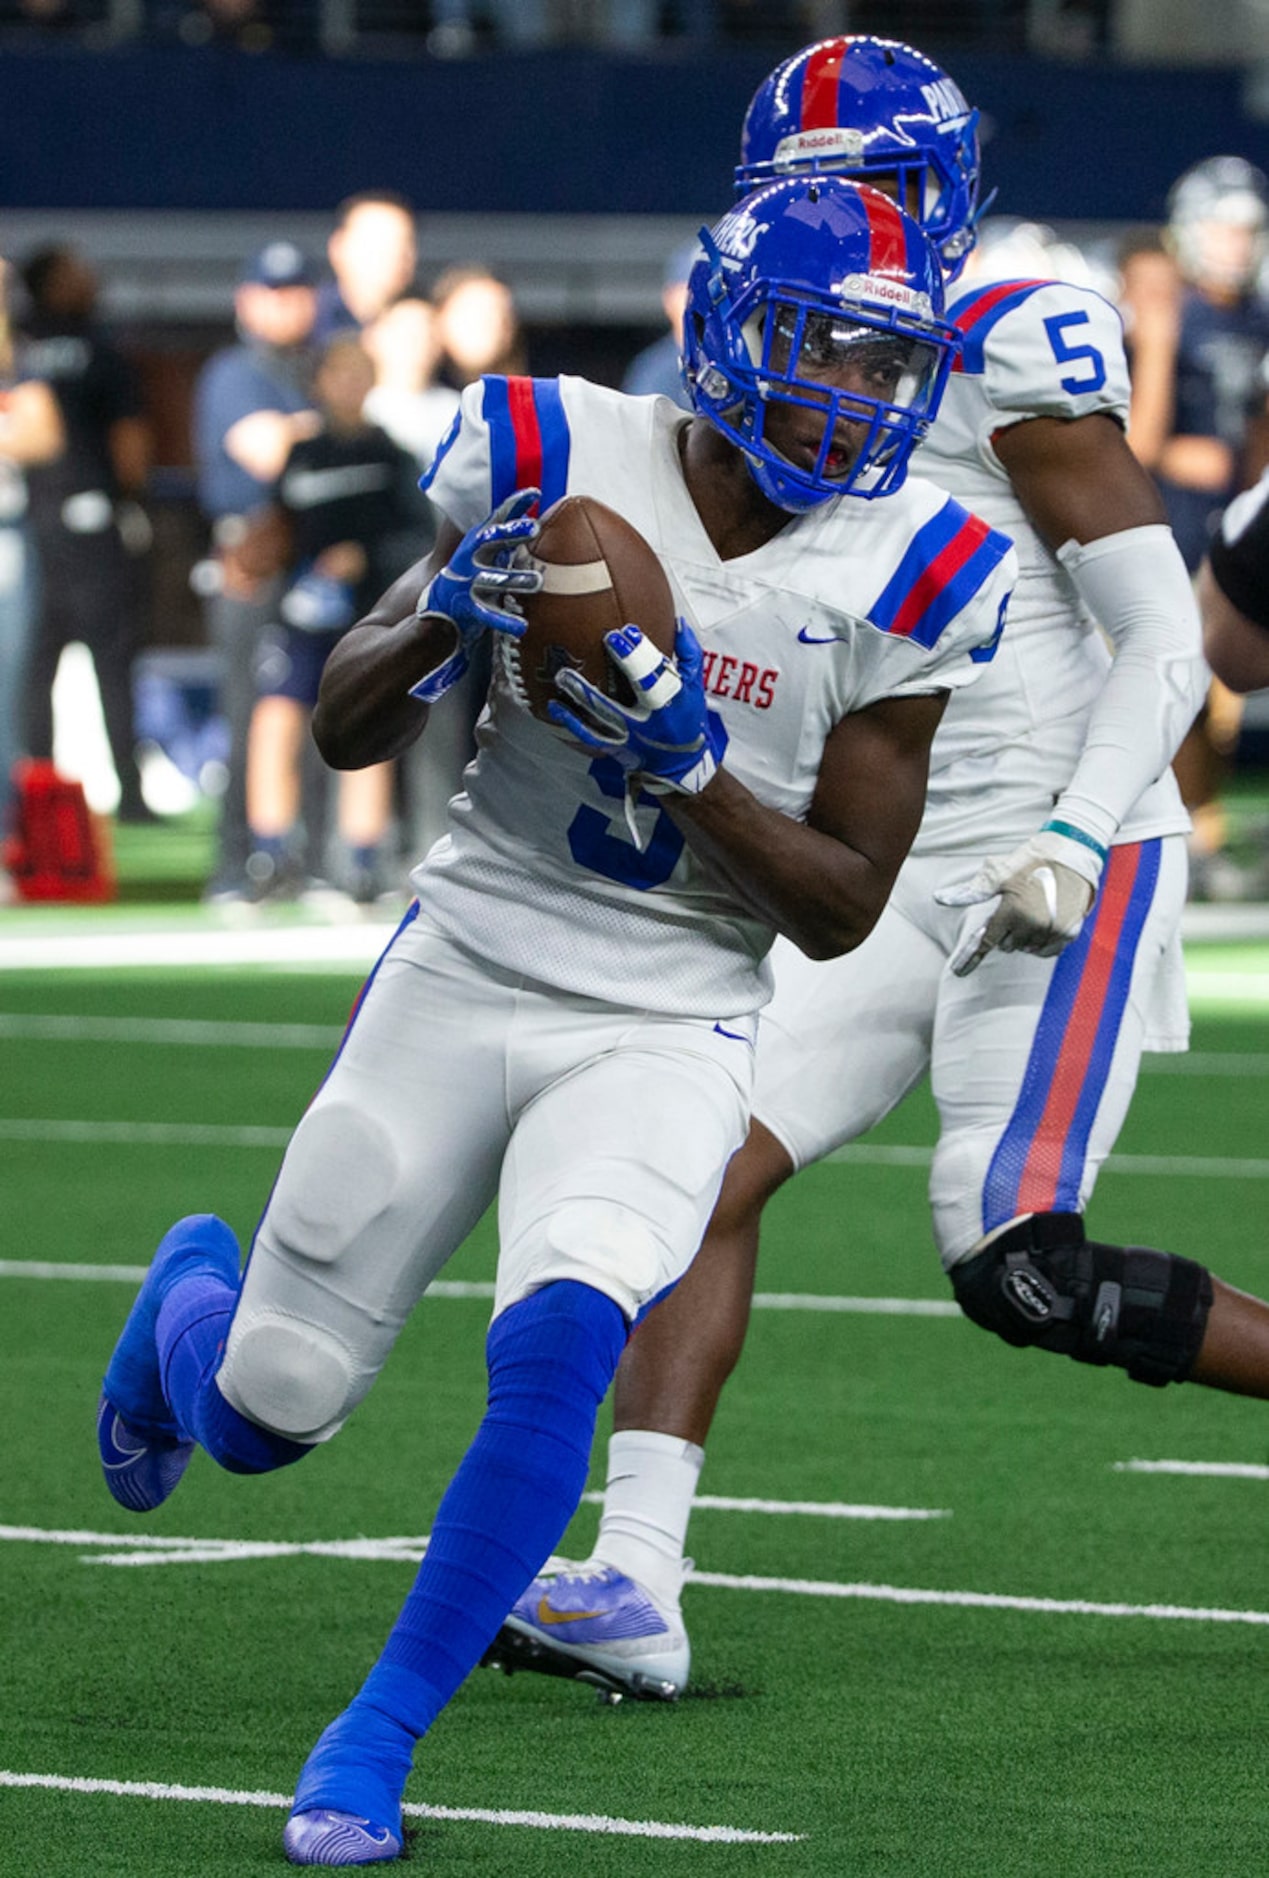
<point x="1198" y="1166"/>
<point x="211" y="1034"/>
<point x="976" y="1600"/>
<point x="815" y="1509"/>
<point x="481" y="1815"/>
<point x="484" y="1288"/>
<point x="395" y="1551"/>
<point x="1216" y="1470"/>
<point x="193" y="1032"/>
<point x="865" y="1154"/>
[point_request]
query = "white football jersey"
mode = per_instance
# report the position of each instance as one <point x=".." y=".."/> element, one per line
<point x="540" y="872"/>
<point x="1004" y="752"/>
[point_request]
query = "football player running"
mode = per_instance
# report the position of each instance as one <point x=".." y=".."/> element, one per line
<point x="1030" y="951"/>
<point x="565" y="1020"/>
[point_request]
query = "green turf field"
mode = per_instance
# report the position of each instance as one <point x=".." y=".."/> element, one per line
<point x="1064" y="1672"/>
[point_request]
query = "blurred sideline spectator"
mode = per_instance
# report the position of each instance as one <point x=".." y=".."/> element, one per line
<point x="1149" y="299"/>
<point x="1218" y="220"/>
<point x="352" y="518"/>
<point x="477" y="324"/>
<point x="91" y="535"/>
<point x="373" y="254"/>
<point x="31" y="432"/>
<point x="656" y="369"/>
<point x="252" y="402"/>
<point x="406" y="400"/>
<point x="478" y="327"/>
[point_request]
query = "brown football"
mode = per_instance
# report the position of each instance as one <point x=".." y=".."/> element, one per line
<point x="598" y="573"/>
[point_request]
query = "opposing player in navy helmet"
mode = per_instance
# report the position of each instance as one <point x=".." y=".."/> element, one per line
<point x="1218" y="218"/>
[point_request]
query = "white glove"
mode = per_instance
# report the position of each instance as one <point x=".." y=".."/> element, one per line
<point x="1044" y="888"/>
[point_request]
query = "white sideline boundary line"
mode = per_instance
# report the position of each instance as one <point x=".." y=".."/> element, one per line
<point x="149" y="1548"/>
<point x="481" y="1815"/>
<point x="1216" y="1470"/>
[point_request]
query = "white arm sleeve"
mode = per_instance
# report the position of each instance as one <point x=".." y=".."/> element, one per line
<point x="1135" y="585"/>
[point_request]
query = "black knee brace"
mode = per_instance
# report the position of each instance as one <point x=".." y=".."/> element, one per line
<point x="1043" y="1283"/>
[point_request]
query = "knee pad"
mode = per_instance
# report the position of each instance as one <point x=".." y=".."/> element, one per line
<point x="1043" y="1284"/>
<point x="293" y="1378"/>
<point x="340" y="1174"/>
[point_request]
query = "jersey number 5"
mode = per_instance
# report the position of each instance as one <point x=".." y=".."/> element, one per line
<point x="1067" y="354"/>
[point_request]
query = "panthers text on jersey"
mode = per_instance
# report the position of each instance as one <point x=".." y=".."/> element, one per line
<point x="855" y="602"/>
<point x="1006" y="750"/>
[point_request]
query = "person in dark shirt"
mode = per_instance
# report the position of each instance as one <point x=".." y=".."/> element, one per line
<point x="89" y="532"/>
<point x="353" y="518"/>
<point x="1218" y="229"/>
<point x="252" y="402"/>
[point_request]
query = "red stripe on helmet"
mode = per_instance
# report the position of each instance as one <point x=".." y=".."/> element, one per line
<point x="819" y="85"/>
<point x="888" y="253"/>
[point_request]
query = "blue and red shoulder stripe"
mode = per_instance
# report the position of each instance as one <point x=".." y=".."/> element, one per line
<point x="976" y="312"/>
<point x="528" y="437"/>
<point x="945" y="564"/>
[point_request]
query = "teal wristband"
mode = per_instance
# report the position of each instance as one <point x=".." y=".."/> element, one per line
<point x="1077" y="834"/>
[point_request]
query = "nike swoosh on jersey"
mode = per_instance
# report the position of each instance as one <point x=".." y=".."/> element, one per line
<point x="807" y="638"/>
<point x="304" y="489"/>
<point x="547" y="1614"/>
<point x="737" y="1036"/>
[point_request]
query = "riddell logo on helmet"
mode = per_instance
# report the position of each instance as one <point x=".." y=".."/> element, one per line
<point x="879" y="287"/>
<point x="831" y="140"/>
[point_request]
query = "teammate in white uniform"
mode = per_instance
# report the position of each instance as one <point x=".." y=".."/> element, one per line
<point x="1026" y="984"/>
<point x="565" y="1020"/>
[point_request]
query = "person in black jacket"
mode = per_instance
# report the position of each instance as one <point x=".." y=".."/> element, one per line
<point x="89" y="531"/>
<point x="350" y="513"/>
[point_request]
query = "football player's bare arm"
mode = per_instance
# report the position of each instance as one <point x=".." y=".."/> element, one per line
<point x="364" y="712"/>
<point x="824" y="882"/>
<point x="1076" y="478"/>
<point x="1237" y="649"/>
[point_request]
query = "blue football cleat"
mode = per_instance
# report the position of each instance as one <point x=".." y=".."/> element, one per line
<point x="598" y="1626"/>
<point x="323" y="1837"/>
<point x="140" y="1469"/>
<point x="143" y="1450"/>
<point x="348" y="1799"/>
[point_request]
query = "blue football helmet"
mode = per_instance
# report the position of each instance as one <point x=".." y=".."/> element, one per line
<point x="821" y="294"/>
<point x="860" y="106"/>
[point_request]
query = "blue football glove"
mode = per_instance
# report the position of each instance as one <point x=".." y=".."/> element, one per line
<point x="667" y="736"/>
<point x="475" y="590"/>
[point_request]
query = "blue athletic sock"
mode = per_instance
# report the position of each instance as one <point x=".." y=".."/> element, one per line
<point x="275" y="846"/>
<point x="551" y="1358"/>
<point x="193" y="1323"/>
